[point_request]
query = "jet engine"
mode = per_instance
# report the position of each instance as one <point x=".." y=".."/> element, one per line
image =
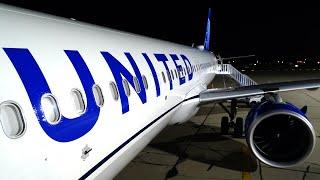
<point x="279" y="134"/>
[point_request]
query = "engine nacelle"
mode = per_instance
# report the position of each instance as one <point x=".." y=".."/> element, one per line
<point x="279" y="134"/>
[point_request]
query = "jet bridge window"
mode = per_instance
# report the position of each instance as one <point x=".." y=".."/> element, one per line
<point x="136" y="85"/>
<point x="78" y="101"/>
<point x="114" y="91"/>
<point x="50" y="109"/>
<point x="98" y="96"/>
<point x="145" y="82"/>
<point x="126" y="87"/>
<point x="164" y="77"/>
<point x="12" y="120"/>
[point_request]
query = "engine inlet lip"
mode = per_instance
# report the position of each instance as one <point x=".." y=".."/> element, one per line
<point x="281" y="164"/>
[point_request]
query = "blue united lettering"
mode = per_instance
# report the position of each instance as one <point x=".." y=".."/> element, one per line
<point x="71" y="129"/>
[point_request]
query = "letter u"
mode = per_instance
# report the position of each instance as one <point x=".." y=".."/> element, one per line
<point x="36" y="86"/>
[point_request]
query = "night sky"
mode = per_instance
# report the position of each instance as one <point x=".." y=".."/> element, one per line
<point x="266" y="29"/>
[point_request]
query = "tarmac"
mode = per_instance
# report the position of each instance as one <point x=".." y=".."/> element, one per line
<point x="196" y="150"/>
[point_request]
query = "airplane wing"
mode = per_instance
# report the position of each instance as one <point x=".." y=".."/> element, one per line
<point x="214" y="95"/>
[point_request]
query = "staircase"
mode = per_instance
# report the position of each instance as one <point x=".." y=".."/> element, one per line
<point x="229" y="70"/>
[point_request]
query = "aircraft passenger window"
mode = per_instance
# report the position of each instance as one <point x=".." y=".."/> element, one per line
<point x="114" y="91"/>
<point x="145" y="82"/>
<point x="172" y="75"/>
<point x="98" y="96"/>
<point x="78" y="101"/>
<point x="50" y="109"/>
<point x="164" y="77"/>
<point x="175" y="71"/>
<point x="12" y="120"/>
<point x="169" y="76"/>
<point x="136" y="85"/>
<point x="126" y="87"/>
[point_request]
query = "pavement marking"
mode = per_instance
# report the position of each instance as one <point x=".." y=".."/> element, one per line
<point x="245" y="175"/>
<point x="312" y="97"/>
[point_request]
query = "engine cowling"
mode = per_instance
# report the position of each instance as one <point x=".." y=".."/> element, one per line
<point x="279" y="134"/>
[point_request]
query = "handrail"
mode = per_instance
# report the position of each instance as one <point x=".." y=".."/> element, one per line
<point x="242" y="79"/>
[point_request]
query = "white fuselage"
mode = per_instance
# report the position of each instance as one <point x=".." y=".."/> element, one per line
<point x="117" y="135"/>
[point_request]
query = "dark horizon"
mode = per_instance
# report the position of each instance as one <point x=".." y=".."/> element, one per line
<point x="239" y="28"/>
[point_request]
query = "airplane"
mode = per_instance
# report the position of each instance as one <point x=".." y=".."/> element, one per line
<point x="80" y="101"/>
